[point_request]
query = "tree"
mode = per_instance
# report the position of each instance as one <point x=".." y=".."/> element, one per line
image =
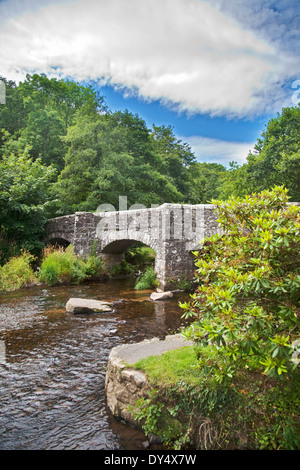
<point x="39" y="111"/>
<point x="65" y="96"/>
<point x="13" y="115"/>
<point x="111" y="156"/>
<point x="83" y="161"/>
<point x="174" y="156"/>
<point x="204" y="180"/>
<point x="135" y="135"/>
<point x="276" y="160"/>
<point x="24" y="199"/>
<point x="246" y="308"/>
<point x="43" y="133"/>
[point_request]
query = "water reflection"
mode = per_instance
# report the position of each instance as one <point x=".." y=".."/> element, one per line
<point x="53" y="365"/>
<point x="2" y="352"/>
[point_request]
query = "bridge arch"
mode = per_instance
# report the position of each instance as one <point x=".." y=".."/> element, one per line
<point x="120" y="245"/>
<point x="58" y="241"/>
<point x="113" y="252"/>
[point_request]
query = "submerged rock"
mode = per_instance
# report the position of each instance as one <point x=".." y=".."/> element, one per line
<point x="87" y="306"/>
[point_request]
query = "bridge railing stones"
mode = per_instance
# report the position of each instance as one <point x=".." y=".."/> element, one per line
<point x="172" y="230"/>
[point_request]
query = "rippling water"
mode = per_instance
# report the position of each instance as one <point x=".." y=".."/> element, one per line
<point x="53" y="365"/>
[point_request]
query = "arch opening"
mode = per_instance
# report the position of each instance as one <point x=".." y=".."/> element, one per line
<point x="118" y="246"/>
<point x="130" y="257"/>
<point x="58" y="242"/>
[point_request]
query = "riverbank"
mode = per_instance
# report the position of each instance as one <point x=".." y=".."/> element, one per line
<point x="161" y="387"/>
<point x="124" y="384"/>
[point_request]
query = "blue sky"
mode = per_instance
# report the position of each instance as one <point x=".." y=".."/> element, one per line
<point x="216" y="70"/>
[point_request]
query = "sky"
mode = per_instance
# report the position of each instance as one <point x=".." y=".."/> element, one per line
<point x="215" y="70"/>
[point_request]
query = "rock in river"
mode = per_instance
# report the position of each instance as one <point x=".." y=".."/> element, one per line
<point x="87" y="306"/>
<point x="161" y="295"/>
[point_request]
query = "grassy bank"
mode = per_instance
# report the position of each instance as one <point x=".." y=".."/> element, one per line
<point x="56" y="266"/>
<point x="187" y="408"/>
<point x="63" y="267"/>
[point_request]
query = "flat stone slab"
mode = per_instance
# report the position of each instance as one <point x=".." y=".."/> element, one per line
<point x="161" y="295"/>
<point x="77" y="306"/>
<point x="132" y="353"/>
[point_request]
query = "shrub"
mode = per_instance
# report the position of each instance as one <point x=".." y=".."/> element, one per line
<point x="147" y="280"/>
<point x="140" y="256"/>
<point x="122" y="268"/>
<point x="247" y="303"/>
<point x="17" y="272"/>
<point x="93" y="266"/>
<point x="57" y="266"/>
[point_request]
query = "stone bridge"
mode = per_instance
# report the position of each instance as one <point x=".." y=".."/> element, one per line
<point x="172" y="230"/>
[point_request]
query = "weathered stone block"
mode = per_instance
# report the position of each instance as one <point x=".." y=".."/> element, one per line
<point x="78" y="306"/>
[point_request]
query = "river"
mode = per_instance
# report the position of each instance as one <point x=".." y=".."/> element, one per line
<point x="53" y="364"/>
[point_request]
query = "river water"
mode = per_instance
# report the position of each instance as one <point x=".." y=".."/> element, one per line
<point x="53" y="364"/>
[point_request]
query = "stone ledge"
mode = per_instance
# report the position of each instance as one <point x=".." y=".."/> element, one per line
<point x="123" y="384"/>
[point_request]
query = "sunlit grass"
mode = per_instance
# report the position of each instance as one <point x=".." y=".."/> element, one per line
<point x="171" y="367"/>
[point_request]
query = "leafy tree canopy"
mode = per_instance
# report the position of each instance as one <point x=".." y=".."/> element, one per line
<point x="111" y="156"/>
<point x="275" y="160"/>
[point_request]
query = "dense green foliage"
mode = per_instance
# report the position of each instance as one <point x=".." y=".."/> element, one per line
<point x="17" y="273"/>
<point x="56" y="266"/>
<point x="247" y="302"/>
<point x="147" y="280"/>
<point x="140" y="256"/>
<point x="24" y="199"/>
<point x="75" y="154"/>
<point x="63" y="267"/>
<point x="275" y="161"/>
<point x="188" y="408"/>
<point x="112" y="155"/>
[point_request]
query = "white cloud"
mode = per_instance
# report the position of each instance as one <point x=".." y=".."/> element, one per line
<point x="276" y="21"/>
<point x="186" y="53"/>
<point x="219" y="151"/>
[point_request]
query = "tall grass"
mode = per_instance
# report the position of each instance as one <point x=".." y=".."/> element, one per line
<point x="147" y="280"/>
<point x="17" y="273"/>
<point x="61" y="266"/>
<point x="58" y="266"/>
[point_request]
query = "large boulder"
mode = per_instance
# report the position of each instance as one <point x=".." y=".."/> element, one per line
<point x="161" y="295"/>
<point x="87" y="306"/>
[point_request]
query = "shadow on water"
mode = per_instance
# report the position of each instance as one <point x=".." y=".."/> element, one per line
<point x="53" y="365"/>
